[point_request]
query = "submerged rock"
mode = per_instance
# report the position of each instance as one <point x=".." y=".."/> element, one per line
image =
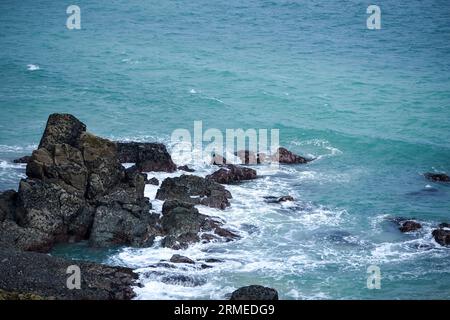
<point x="28" y="275"/>
<point x="272" y="199"/>
<point x="147" y="156"/>
<point x="232" y="174"/>
<point x="194" y="190"/>
<point x="409" y="226"/>
<point x="438" y="177"/>
<point x="255" y="292"/>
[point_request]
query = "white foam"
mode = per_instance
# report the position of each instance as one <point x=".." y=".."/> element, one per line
<point x="32" y="67"/>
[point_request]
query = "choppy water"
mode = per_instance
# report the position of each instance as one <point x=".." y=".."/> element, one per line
<point x="372" y="105"/>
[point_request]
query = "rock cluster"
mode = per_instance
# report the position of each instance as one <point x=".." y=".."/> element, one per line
<point x="75" y="189"/>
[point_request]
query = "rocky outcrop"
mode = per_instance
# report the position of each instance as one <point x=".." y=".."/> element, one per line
<point x="255" y="292"/>
<point x="29" y="275"/>
<point x="194" y="190"/>
<point x="182" y="224"/>
<point x="409" y="226"/>
<point x="76" y="189"/>
<point x="437" y="177"/>
<point x="232" y="174"/>
<point x="147" y="156"/>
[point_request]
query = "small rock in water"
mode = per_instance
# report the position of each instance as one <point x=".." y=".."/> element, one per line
<point x="232" y="174"/>
<point x="183" y="280"/>
<point x="438" y="177"/>
<point x="186" y="168"/>
<point x="23" y="159"/>
<point x="153" y="181"/>
<point x="442" y="234"/>
<point x="409" y="226"/>
<point x="176" y="258"/>
<point x="254" y="292"/>
<point x="271" y="199"/>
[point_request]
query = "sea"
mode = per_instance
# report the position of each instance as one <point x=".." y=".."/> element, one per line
<point x="372" y="106"/>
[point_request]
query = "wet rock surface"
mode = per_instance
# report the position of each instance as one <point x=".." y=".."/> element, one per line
<point x="442" y="234"/>
<point x="194" y="190"/>
<point x="437" y="177"/>
<point x="182" y="222"/>
<point x="232" y="174"/>
<point x="254" y="292"/>
<point x="409" y="226"/>
<point x="29" y="275"/>
<point x="147" y="156"/>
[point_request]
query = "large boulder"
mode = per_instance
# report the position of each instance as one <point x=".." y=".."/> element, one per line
<point x="28" y="275"/>
<point x="255" y="292"/>
<point x="437" y="177"/>
<point x="147" y="156"/>
<point x="183" y="224"/>
<point x="194" y="190"/>
<point x="232" y="174"/>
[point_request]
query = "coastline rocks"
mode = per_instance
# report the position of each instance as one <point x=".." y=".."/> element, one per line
<point x="182" y="224"/>
<point x="255" y="292"/>
<point x="232" y="174"/>
<point x="28" y="275"/>
<point x="76" y="189"/>
<point x="437" y="177"/>
<point x="147" y="156"/>
<point x="194" y="190"/>
<point x="409" y="226"/>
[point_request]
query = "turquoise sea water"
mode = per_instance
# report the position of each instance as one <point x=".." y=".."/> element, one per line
<point x="372" y="105"/>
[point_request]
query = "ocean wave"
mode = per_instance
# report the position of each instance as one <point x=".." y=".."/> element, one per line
<point x="33" y="67"/>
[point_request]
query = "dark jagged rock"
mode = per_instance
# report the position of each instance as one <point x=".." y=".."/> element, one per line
<point x="28" y="275"/>
<point x="232" y="174"/>
<point x="153" y="181"/>
<point x="285" y="156"/>
<point x="147" y="156"/>
<point x="255" y="292"/>
<point x="444" y="225"/>
<point x="194" y="190"/>
<point x="176" y="258"/>
<point x="438" y="177"/>
<point x="76" y="189"/>
<point x="23" y="159"/>
<point x="182" y="223"/>
<point x="271" y="199"/>
<point x="185" y="168"/>
<point x="442" y="234"/>
<point x="409" y="226"/>
<point x="183" y="280"/>
<point x="62" y="129"/>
